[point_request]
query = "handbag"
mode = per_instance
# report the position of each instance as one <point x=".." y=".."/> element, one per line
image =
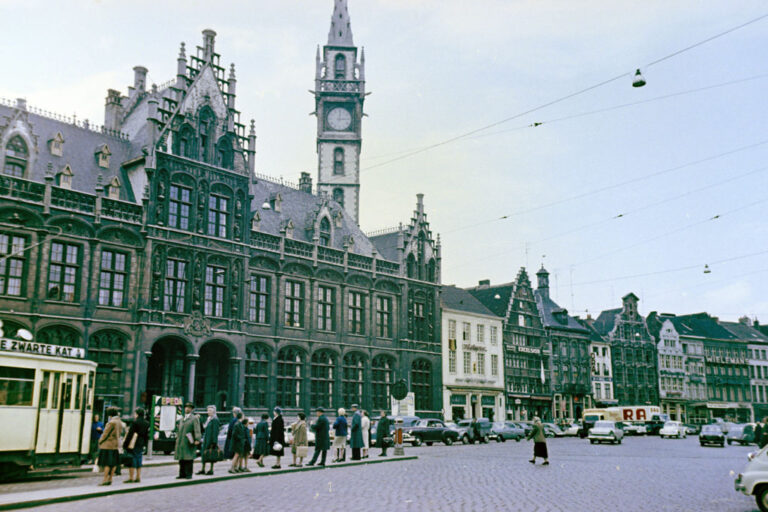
<point x="302" y="451"/>
<point x="132" y="442"/>
<point x="277" y="447"/>
<point x="126" y="459"/>
<point x="213" y="454"/>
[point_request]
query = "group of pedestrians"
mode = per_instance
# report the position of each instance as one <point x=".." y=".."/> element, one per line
<point x="133" y="443"/>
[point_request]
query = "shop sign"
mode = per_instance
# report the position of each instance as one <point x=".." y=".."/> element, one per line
<point x="41" y="349"/>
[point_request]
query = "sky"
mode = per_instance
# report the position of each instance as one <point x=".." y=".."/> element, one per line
<point x="619" y="190"/>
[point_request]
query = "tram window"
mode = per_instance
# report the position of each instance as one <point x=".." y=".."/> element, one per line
<point x="16" y="385"/>
<point x="44" y="387"/>
<point x="88" y="397"/>
<point x="67" y="394"/>
<point x="78" y="392"/>
<point x="55" y="400"/>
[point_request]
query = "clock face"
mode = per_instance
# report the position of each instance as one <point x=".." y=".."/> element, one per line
<point x="339" y="118"/>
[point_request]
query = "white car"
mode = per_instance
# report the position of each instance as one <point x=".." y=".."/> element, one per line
<point x="606" y="432"/>
<point x="753" y="481"/>
<point x="572" y="430"/>
<point x="635" y="428"/>
<point x="673" y="429"/>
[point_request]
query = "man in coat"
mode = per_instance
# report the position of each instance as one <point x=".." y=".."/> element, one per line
<point x="382" y="433"/>
<point x="761" y="433"/>
<point x="188" y="435"/>
<point x="321" y="428"/>
<point x="356" y="437"/>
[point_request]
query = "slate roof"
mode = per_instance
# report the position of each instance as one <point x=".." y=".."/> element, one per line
<point x="606" y="321"/>
<point x="699" y="325"/>
<point x="386" y="245"/>
<point x="79" y="148"/>
<point x="593" y="334"/>
<point x="486" y="295"/>
<point x="547" y="309"/>
<point x="745" y="332"/>
<point x="461" y="300"/>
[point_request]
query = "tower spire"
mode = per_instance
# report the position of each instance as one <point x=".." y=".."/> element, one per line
<point x="341" y="30"/>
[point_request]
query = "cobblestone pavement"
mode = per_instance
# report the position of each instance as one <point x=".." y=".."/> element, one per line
<point x="641" y="474"/>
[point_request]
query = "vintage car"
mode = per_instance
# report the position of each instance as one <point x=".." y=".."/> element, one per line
<point x="484" y="427"/>
<point x="635" y="428"/>
<point x="673" y="429"/>
<point x="741" y="434"/>
<point x="503" y="430"/>
<point x="753" y="481"/>
<point x="711" y="434"/>
<point x="429" y="431"/>
<point x="606" y="431"/>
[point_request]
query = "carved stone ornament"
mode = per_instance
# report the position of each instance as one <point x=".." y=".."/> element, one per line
<point x="197" y="325"/>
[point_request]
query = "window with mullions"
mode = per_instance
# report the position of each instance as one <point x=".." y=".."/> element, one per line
<point x="419" y="321"/>
<point x="421" y="383"/>
<point x="383" y="375"/>
<point x="322" y="376"/>
<point x="179" y="206"/>
<point x="12" y="258"/>
<point x="256" y="376"/>
<point x="325" y="308"/>
<point x="356" y="313"/>
<point x="338" y="161"/>
<point x="107" y="348"/>
<point x="294" y="304"/>
<point x="384" y="317"/>
<point x="258" y="304"/>
<point x="352" y="379"/>
<point x="63" y="272"/>
<point x="215" y="286"/>
<point x="325" y="232"/>
<point x="340" y="68"/>
<point x="289" y="377"/>
<point x="16" y="156"/>
<point x="175" y="285"/>
<point x="218" y="215"/>
<point x="16" y="386"/>
<point x="113" y="278"/>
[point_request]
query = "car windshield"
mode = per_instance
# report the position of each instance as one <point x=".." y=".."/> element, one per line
<point x="670" y="424"/>
<point x="421" y="423"/>
<point x="499" y="425"/>
<point x="604" y="424"/>
<point x="710" y="429"/>
<point x="591" y="417"/>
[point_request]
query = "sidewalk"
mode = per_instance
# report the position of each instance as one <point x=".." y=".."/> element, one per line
<point x="17" y="500"/>
<point x="155" y="461"/>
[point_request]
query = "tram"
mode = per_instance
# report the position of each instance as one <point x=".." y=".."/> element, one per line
<point x="46" y="405"/>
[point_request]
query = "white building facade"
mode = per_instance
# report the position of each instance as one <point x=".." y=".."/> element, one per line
<point x="672" y="374"/>
<point x="473" y="358"/>
<point x="601" y="373"/>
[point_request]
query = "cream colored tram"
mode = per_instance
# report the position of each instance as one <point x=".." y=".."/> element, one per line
<point x="46" y="406"/>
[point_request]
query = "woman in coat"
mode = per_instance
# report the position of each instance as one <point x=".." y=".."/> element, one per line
<point x="340" y="436"/>
<point x="228" y="453"/>
<point x="109" y="457"/>
<point x="300" y="443"/>
<point x="539" y="442"/>
<point x="277" y="436"/>
<point x="135" y="441"/>
<point x="366" y="434"/>
<point x="261" y="446"/>
<point x="210" y="452"/>
<point x="238" y="439"/>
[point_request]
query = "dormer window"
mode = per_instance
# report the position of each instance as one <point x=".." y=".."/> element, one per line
<point x="275" y="202"/>
<point x="340" y="67"/>
<point x="16" y="157"/>
<point x="338" y="161"/>
<point x="65" y="177"/>
<point x="325" y="232"/>
<point x="206" y="131"/>
<point x="338" y="218"/>
<point x="56" y="145"/>
<point x="103" y="154"/>
<point x="113" y="190"/>
<point x="289" y="229"/>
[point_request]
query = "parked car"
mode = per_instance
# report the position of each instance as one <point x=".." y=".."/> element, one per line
<point x="672" y="429"/>
<point x="503" y="430"/>
<point x="741" y="434"/>
<point x="408" y="421"/>
<point x="606" y="431"/>
<point x="656" y="423"/>
<point x="573" y="430"/>
<point x="461" y="431"/>
<point x="289" y="435"/>
<point x="711" y="434"/>
<point x="552" y="430"/>
<point x="485" y="430"/>
<point x="692" y="429"/>
<point x="430" y="431"/>
<point x="525" y="425"/>
<point x="635" y="428"/>
<point x="753" y="481"/>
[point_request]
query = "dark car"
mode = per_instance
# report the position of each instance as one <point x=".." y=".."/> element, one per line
<point x="503" y="430"/>
<point x="461" y="432"/>
<point x="430" y="431"/>
<point x="711" y="434"/>
<point x="408" y="421"/>
<point x="552" y="430"/>
<point x="741" y="434"/>
<point x="485" y="430"/>
<point x="692" y="429"/>
<point x="527" y="427"/>
<point x="656" y="423"/>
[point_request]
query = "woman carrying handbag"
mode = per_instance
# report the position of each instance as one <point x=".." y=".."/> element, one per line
<point x="211" y="452"/>
<point x="277" y="437"/>
<point x="134" y="443"/>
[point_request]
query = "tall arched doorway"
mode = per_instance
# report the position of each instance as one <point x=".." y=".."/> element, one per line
<point x="167" y="369"/>
<point x="212" y="376"/>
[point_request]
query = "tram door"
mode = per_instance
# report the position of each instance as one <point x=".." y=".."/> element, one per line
<point x="60" y="418"/>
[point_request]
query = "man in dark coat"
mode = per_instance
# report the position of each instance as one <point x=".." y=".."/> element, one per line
<point x="321" y="428"/>
<point x="382" y="433"/>
<point x="277" y="435"/>
<point x="356" y="436"/>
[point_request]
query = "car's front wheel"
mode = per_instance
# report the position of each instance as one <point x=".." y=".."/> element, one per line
<point x="416" y="441"/>
<point x="730" y="441"/>
<point x="486" y="439"/>
<point x="465" y="439"/>
<point x="448" y="441"/>
<point x="761" y="497"/>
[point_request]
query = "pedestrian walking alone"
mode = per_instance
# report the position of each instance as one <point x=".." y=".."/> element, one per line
<point x="277" y="437"/>
<point x="300" y="443"/>
<point x="366" y="434"/>
<point x="261" y="445"/>
<point x="188" y="435"/>
<point x="109" y="457"/>
<point x="211" y="453"/>
<point x="539" y="442"/>
<point x="382" y="433"/>
<point x="135" y="441"/>
<point x="356" y="438"/>
<point x="228" y="453"/>
<point x="340" y="436"/>
<point x="321" y="428"/>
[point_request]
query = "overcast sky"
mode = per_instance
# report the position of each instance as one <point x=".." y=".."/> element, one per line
<point x="441" y="68"/>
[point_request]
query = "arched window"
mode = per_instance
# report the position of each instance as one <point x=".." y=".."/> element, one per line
<point x="431" y="271"/>
<point x="383" y="369"/>
<point x="352" y="379"/>
<point x="338" y="161"/>
<point x="289" y="376"/>
<point x="185" y="146"/>
<point x="411" y="266"/>
<point x="340" y="67"/>
<point x="325" y="232"/>
<point x="322" y="376"/>
<point x="206" y="130"/>
<point x="338" y="196"/>
<point x="107" y="348"/>
<point x="421" y="384"/>
<point x="224" y="153"/>
<point x="256" y="376"/>
<point x="59" y="335"/>
<point x="16" y="156"/>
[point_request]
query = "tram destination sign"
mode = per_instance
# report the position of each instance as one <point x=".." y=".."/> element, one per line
<point x="42" y="349"/>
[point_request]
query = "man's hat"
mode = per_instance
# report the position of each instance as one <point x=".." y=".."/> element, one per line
<point x="189" y="404"/>
<point x="355" y="406"/>
<point x="320" y="409"/>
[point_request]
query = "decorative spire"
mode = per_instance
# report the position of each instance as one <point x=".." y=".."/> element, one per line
<point x="232" y="71"/>
<point x="341" y="30"/>
<point x="182" y="51"/>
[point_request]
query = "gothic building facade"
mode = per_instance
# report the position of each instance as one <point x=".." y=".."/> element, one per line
<point x="153" y="243"/>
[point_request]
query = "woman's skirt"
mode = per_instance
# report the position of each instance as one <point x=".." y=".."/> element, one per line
<point x="540" y="450"/>
<point x="261" y="448"/>
<point x="109" y="458"/>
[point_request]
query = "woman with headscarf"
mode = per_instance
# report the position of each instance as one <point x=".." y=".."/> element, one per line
<point x="277" y="437"/>
<point x="210" y="452"/>
<point x="539" y="442"/>
<point x="261" y="446"/>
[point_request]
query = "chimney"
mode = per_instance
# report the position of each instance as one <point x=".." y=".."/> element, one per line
<point x="113" y="110"/>
<point x="252" y="147"/>
<point x="209" y="37"/>
<point x="139" y="78"/>
<point x="305" y="183"/>
<point x="181" y="68"/>
<point x="21" y="104"/>
<point x="484" y="283"/>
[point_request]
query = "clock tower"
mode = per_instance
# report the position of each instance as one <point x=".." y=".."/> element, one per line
<point x="339" y="95"/>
